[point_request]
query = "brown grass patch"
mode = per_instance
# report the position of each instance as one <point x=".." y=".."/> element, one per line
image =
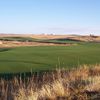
<point x="18" y="44"/>
<point x="76" y="84"/>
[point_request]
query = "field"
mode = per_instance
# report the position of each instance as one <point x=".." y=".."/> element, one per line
<point x="37" y="67"/>
<point x="38" y="58"/>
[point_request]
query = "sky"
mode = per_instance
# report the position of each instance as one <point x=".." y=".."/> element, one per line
<point x="50" y="16"/>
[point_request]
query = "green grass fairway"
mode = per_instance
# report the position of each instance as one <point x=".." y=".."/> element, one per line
<point x="25" y="59"/>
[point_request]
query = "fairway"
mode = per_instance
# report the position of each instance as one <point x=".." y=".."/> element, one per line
<point x="26" y="59"/>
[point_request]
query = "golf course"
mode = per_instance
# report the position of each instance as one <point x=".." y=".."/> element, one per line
<point x="39" y="58"/>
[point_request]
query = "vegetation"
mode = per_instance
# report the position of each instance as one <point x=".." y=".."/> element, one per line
<point x="26" y="59"/>
<point x="29" y="39"/>
<point x="21" y="39"/>
<point x="75" y="84"/>
<point x="28" y="73"/>
<point x="63" y="40"/>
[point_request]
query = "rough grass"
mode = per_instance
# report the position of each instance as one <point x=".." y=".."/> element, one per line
<point x="76" y="84"/>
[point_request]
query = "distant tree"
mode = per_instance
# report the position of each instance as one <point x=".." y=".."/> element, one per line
<point x="93" y="36"/>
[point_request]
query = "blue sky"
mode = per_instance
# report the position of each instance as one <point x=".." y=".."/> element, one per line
<point x="50" y="16"/>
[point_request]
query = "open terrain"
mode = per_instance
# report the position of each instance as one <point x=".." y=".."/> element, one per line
<point x="36" y="67"/>
<point x="25" y="59"/>
<point x="25" y="53"/>
<point x="15" y="40"/>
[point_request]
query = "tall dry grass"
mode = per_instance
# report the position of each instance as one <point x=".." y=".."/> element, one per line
<point x="81" y="83"/>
